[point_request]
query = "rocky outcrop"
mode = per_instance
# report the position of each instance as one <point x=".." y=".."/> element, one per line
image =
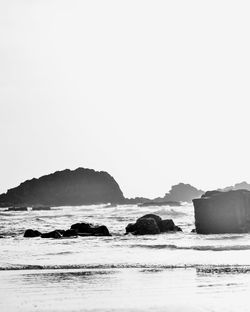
<point x="151" y="224"/>
<point x="222" y="212"/>
<point x="62" y="188"/>
<point x="183" y="193"/>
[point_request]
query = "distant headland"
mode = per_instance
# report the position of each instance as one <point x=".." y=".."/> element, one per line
<point x="89" y="187"/>
<point x="62" y="188"/>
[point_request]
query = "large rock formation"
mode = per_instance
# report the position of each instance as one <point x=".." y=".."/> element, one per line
<point x="222" y="212"/>
<point x="238" y="186"/>
<point x="183" y="193"/>
<point x="78" y="187"/>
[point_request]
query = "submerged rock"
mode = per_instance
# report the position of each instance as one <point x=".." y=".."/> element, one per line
<point x="222" y="212"/>
<point x="144" y="225"/>
<point x="32" y="233"/>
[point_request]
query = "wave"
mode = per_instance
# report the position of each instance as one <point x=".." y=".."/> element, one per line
<point x="199" y="248"/>
<point x="170" y="212"/>
<point x="153" y="267"/>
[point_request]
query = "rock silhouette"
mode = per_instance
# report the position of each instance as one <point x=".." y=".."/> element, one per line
<point x="183" y="193"/>
<point x="78" y="187"/>
<point x="222" y="212"/>
<point x="32" y="233"/>
<point x="151" y="224"/>
<point x="77" y="229"/>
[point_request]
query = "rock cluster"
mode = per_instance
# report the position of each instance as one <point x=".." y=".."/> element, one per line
<point x="151" y="224"/>
<point x="78" y="229"/>
<point x="147" y="224"/>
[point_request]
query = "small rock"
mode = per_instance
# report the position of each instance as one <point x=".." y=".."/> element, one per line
<point x="31" y="233"/>
<point x="53" y="234"/>
<point x="70" y="233"/>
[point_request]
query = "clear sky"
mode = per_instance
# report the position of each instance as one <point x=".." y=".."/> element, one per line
<point x="154" y="92"/>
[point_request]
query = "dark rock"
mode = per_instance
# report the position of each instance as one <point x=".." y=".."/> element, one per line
<point x="31" y="233"/>
<point x="18" y="209"/>
<point x="177" y="229"/>
<point x="131" y="228"/>
<point x="78" y="187"/>
<point x="70" y="233"/>
<point x="147" y="226"/>
<point x="152" y="216"/>
<point x="211" y="193"/>
<point x="88" y="229"/>
<point x="162" y="226"/>
<point x="53" y="234"/>
<point x="183" y="193"/>
<point x="82" y="227"/>
<point x="193" y="231"/>
<point x="223" y="212"/>
<point x="166" y="225"/>
<point x="101" y="231"/>
<point x="38" y="208"/>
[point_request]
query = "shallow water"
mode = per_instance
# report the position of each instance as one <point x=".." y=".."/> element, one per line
<point x="167" y="272"/>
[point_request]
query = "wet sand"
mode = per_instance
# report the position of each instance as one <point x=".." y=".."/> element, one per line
<point x="137" y="289"/>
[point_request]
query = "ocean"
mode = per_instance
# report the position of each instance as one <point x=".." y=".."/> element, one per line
<point x="180" y="271"/>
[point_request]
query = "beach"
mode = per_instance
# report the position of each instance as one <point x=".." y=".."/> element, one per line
<point x="166" y="272"/>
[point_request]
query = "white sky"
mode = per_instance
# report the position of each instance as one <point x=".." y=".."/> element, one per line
<point x="154" y="92"/>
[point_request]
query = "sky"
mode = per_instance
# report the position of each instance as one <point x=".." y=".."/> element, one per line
<point x="153" y="92"/>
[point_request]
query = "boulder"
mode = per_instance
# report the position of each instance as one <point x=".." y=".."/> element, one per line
<point x="53" y="234"/>
<point x="159" y="226"/>
<point x="70" y="233"/>
<point x="88" y="229"/>
<point x="101" y="231"/>
<point x="82" y="227"/>
<point x="31" y="233"/>
<point x="166" y="225"/>
<point x="131" y="228"/>
<point x="222" y="212"/>
<point x="147" y="226"/>
<point x="153" y="216"/>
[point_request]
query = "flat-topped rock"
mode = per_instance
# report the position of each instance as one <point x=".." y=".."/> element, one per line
<point x="222" y="212"/>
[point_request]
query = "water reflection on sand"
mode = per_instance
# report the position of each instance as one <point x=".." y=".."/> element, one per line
<point x="127" y="289"/>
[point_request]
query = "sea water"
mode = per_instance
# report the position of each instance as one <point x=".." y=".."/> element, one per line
<point x="166" y="272"/>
